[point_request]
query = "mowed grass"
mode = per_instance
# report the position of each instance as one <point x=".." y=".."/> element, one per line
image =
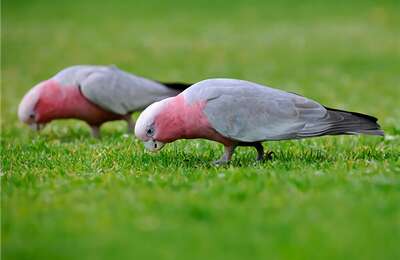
<point x="65" y="195"/>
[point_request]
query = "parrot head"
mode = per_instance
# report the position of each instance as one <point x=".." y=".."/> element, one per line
<point x="48" y="99"/>
<point x="171" y="119"/>
<point x="38" y="106"/>
<point x="147" y="127"/>
<point x="60" y="97"/>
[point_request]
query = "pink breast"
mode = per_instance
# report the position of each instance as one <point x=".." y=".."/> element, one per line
<point x="68" y="102"/>
<point x="180" y="120"/>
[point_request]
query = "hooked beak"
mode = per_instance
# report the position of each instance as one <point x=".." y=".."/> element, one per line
<point x="36" y="126"/>
<point x="152" y="145"/>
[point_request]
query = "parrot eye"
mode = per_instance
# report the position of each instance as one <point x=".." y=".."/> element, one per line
<point x="150" y="132"/>
<point x="32" y="116"/>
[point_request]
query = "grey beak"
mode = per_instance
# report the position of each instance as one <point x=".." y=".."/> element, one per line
<point x="153" y="146"/>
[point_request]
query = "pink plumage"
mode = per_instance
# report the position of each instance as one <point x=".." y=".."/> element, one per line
<point x="189" y="123"/>
<point x="94" y="94"/>
<point x="242" y="113"/>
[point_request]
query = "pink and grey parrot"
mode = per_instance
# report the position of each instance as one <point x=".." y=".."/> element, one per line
<point x="95" y="94"/>
<point x="242" y="113"/>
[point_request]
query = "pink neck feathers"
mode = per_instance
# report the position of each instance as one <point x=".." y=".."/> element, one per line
<point x="180" y="120"/>
<point x="68" y="102"/>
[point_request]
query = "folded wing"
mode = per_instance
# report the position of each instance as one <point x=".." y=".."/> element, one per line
<point x="121" y="92"/>
<point x="249" y="112"/>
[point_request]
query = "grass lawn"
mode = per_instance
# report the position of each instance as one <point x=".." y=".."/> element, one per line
<point x="65" y="195"/>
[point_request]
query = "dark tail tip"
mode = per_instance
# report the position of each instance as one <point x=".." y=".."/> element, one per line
<point x="368" y="117"/>
<point x="177" y="85"/>
<point x="356" y="123"/>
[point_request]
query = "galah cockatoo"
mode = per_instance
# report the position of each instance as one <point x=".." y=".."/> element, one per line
<point x="242" y="113"/>
<point x="95" y="94"/>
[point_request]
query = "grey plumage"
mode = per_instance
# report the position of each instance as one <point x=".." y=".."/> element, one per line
<point x="345" y="122"/>
<point x="249" y="112"/>
<point x="113" y="89"/>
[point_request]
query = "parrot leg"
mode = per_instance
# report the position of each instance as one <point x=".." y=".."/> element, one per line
<point x="260" y="151"/>
<point x="261" y="156"/>
<point x="95" y="131"/>
<point x="226" y="157"/>
<point x="131" y="124"/>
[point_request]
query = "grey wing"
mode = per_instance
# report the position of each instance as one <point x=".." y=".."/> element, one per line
<point x="121" y="92"/>
<point x="102" y="89"/>
<point x="262" y="113"/>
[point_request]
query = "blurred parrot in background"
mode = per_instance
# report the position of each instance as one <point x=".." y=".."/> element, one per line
<point x="94" y="94"/>
<point x="242" y="113"/>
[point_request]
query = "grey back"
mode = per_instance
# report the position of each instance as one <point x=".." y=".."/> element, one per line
<point x="249" y="112"/>
<point x="113" y="89"/>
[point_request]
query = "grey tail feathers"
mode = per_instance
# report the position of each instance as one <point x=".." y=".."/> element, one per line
<point x="176" y="85"/>
<point x="340" y="122"/>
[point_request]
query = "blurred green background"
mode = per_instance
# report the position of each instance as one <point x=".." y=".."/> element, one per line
<point x="66" y="195"/>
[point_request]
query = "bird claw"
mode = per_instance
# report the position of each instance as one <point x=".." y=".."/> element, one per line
<point x="220" y="162"/>
<point x="266" y="157"/>
<point x="269" y="155"/>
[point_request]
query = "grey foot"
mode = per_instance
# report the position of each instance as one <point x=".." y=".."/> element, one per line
<point x="228" y="151"/>
<point x="221" y="162"/>
<point x="131" y="124"/>
<point x="131" y="127"/>
<point x="95" y="131"/>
